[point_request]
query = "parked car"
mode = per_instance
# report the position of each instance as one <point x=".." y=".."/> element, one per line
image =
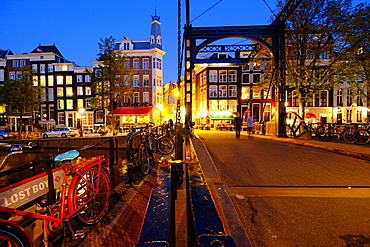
<point x="61" y="132"/>
<point x="6" y="134"/>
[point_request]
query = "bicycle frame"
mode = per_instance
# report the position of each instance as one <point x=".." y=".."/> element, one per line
<point x="66" y="204"/>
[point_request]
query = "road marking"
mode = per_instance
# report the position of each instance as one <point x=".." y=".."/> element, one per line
<point x="303" y="191"/>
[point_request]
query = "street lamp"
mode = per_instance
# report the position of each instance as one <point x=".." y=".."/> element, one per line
<point x="81" y="111"/>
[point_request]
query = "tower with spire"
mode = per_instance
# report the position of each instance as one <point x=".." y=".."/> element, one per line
<point x="155" y="34"/>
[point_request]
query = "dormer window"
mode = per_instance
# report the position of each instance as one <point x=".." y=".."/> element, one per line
<point x="152" y="39"/>
<point x="159" y="40"/>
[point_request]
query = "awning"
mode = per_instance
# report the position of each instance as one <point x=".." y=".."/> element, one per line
<point x="131" y="111"/>
<point x="310" y="115"/>
<point x="221" y="117"/>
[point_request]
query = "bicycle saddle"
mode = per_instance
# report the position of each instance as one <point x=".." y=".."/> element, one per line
<point x="69" y="155"/>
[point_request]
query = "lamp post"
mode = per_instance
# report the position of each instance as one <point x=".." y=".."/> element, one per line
<point x="81" y="111"/>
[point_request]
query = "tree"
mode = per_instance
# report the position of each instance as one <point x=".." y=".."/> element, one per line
<point x="21" y="95"/>
<point x="318" y="46"/>
<point x="359" y="71"/>
<point x="113" y="78"/>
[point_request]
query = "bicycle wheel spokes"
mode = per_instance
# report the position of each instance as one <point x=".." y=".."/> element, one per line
<point x="91" y="195"/>
<point x="329" y="134"/>
<point x="348" y="135"/>
<point x="320" y="132"/>
<point x="144" y="159"/>
<point x="361" y="137"/>
<point x="165" y="145"/>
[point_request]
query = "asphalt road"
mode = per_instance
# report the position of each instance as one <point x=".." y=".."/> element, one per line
<point x="292" y="195"/>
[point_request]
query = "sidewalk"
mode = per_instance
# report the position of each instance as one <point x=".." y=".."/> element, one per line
<point x="353" y="150"/>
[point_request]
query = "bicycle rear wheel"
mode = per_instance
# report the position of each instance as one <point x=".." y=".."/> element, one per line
<point x="144" y="158"/>
<point x="361" y="137"/>
<point x="320" y="132"/>
<point x="329" y="133"/>
<point x="90" y="195"/>
<point x="348" y="135"/>
<point x="12" y="236"/>
<point x="165" y="145"/>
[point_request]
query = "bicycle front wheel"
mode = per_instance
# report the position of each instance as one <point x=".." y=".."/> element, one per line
<point x="361" y="137"/>
<point x="329" y="134"/>
<point x="11" y="236"/>
<point x="144" y="158"/>
<point x="165" y="145"/>
<point x="90" y="195"/>
<point x="348" y="135"/>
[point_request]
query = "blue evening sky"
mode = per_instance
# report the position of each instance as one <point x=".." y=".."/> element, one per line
<point x="76" y="26"/>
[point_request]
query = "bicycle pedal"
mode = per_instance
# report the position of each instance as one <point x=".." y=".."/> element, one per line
<point x="79" y="234"/>
<point x="40" y="209"/>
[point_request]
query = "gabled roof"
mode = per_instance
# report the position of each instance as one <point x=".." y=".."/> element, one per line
<point x="4" y="53"/>
<point x="47" y="48"/>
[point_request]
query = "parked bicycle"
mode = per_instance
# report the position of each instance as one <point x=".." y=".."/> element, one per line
<point x="362" y="136"/>
<point x="76" y="188"/>
<point x="342" y="131"/>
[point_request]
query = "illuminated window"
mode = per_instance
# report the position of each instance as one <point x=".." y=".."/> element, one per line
<point x="60" y="80"/>
<point x="69" y="91"/>
<point x="35" y="80"/>
<point x="80" y="90"/>
<point x="50" y="80"/>
<point x="68" y="79"/>
<point x="42" y="81"/>
<point x="60" y="92"/>
<point x="80" y="103"/>
<point x="245" y="93"/>
<point x="88" y="90"/>
<point x="60" y="104"/>
<point x="69" y="104"/>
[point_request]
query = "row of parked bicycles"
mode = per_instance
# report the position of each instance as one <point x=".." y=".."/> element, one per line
<point x="65" y="187"/>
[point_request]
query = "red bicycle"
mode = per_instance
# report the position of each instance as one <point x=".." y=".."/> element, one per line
<point x="76" y="188"/>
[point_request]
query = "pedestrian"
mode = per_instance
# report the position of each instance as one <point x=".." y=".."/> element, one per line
<point x="238" y="125"/>
<point x="250" y="125"/>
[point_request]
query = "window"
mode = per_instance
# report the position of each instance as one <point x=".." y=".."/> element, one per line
<point x="213" y="91"/>
<point x="256" y="93"/>
<point x="80" y="103"/>
<point x="35" y="80"/>
<point x="42" y="68"/>
<point x="232" y="75"/>
<point x="146" y="97"/>
<point x="222" y="92"/>
<point x="145" y="63"/>
<point x="323" y="99"/>
<point x="339" y="97"/>
<point x="61" y="119"/>
<point x="34" y="68"/>
<point x="349" y="97"/>
<point x="349" y="116"/>
<point x="68" y="79"/>
<point x="245" y="93"/>
<point x="88" y="104"/>
<point x="43" y="94"/>
<point x="98" y="73"/>
<point x="80" y="90"/>
<point x="69" y="104"/>
<point x="51" y="94"/>
<point x="88" y="90"/>
<point x="136" y="63"/>
<point x="213" y="76"/>
<point x="223" y="76"/>
<point x="60" y="92"/>
<point x="256" y="78"/>
<point x="42" y="81"/>
<point x="60" y="104"/>
<point x="2" y="77"/>
<point x="359" y="116"/>
<point x="136" y="81"/>
<point x="12" y="75"/>
<point x="87" y="78"/>
<point x="232" y="91"/>
<point x="23" y="63"/>
<point x="153" y="65"/>
<point x="99" y="116"/>
<point x="79" y="78"/>
<point x="136" y="97"/>
<point x="60" y="80"/>
<point x="146" y="80"/>
<point x="50" y="80"/>
<point x="15" y="63"/>
<point x="69" y="91"/>
<point x="50" y="68"/>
